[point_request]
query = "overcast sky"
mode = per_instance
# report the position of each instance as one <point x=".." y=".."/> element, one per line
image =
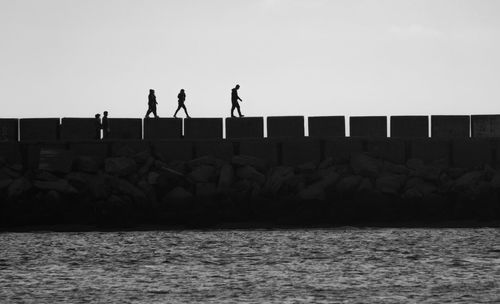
<point x="74" y="58"/>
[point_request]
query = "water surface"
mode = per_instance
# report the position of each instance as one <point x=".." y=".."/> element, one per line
<point x="252" y="266"/>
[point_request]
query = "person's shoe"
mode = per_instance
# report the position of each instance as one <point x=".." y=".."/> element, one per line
<point x="188" y="116"/>
<point x="175" y="116"/>
<point x="232" y="116"/>
<point x="242" y="116"/>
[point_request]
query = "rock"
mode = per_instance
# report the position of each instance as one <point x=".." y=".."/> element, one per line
<point x="4" y="183"/>
<point x="365" y="186"/>
<point x="86" y="164"/>
<point x="247" y="160"/>
<point x="120" y="166"/>
<point x="205" y="161"/>
<point x="251" y="174"/>
<point x="429" y="173"/>
<point x="152" y="178"/>
<point x="416" y="185"/>
<point x="390" y="183"/>
<point x="307" y="168"/>
<point x="59" y="185"/>
<point x="124" y="187"/>
<point x="415" y="163"/>
<point x="412" y="193"/>
<point x="348" y="184"/>
<point x="147" y="189"/>
<point x="79" y="180"/>
<point x="327" y="163"/>
<point x="46" y="176"/>
<point x="179" y="193"/>
<point x="10" y="173"/>
<point x="142" y="157"/>
<point x="365" y="165"/>
<point x="146" y="166"/>
<point x="99" y="187"/>
<point x="312" y="192"/>
<point x="495" y="181"/>
<point x="468" y="180"/>
<point x="226" y="176"/>
<point x="202" y="173"/>
<point x="278" y="176"/>
<point x="52" y="196"/>
<point x="206" y="189"/>
<point x="395" y="168"/>
<point x="18" y="187"/>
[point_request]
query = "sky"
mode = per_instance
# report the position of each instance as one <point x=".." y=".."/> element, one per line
<point x="73" y="58"/>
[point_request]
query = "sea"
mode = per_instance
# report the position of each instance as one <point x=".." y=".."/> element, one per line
<point x="342" y="265"/>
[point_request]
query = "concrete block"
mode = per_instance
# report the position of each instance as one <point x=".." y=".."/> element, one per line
<point x="39" y="129"/>
<point x="341" y="149"/>
<point x="246" y="127"/>
<point x="470" y="153"/>
<point x="265" y="149"/>
<point x="129" y="148"/>
<point x="285" y="126"/>
<point x="78" y="129"/>
<point x="33" y="155"/>
<point x="410" y="126"/>
<point x="96" y="150"/>
<point x="430" y="150"/>
<point x="374" y="126"/>
<point x="389" y="149"/>
<point x="9" y="129"/>
<point x="170" y="150"/>
<point x="220" y="149"/>
<point x="203" y="128"/>
<point x="10" y="152"/>
<point x="326" y="126"/>
<point x="485" y="125"/>
<point x="125" y="128"/>
<point x="162" y="128"/>
<point x="450" y="126"/>
<point x="300" y="151"/>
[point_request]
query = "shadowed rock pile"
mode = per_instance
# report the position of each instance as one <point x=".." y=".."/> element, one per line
<point x="142" y="188"/>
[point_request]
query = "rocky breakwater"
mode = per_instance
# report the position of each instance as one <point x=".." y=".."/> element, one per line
<point x="143" y="188"/>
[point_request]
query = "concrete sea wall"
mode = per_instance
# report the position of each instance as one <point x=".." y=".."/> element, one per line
<point x="184" y="172"/>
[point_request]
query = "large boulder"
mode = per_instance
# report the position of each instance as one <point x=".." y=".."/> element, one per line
<point x="365" y="186"/>
<point x="247" y="160"/>
<point x="144" y="169"/>
<point x="46" y="176"/>
<point x="317" y="189"/>
<point x="123" y="186"/>
<point x="99" y="186"/>
<point x="468" y="180"/>
<point x="416" y="187"/>
<point x="86" y="164"/>
<point x="390" y="183"/>
<point x="277" y="177"/>
<point x="179" y="193"/>
<point x="4" y="183"/>
<point x="206" y="189"/>
<point x="19" y="187"/>
<point x="348" y="184"/>
<point x="365" y="165"/>
<point x="226" y="177"/>
<point x="121" y="166"/>
<point x="60" y="185"/>
<point x="206" y="160"/>
<point x="247" y="172"/>
<point x="202" y="174"/>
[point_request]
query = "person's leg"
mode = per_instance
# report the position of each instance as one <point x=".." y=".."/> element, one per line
<point x="232" y="109"/>
<point x="239" y="111"/>
<point x="148" y="112"/>
<point x="185" y="111"/>
<point x="178" y="108"/>
<point x="154" y="112"/>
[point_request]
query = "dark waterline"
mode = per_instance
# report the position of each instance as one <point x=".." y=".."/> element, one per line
<point x="344" y="265"/>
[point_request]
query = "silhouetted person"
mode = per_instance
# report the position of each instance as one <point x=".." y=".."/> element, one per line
<point x="151" y="104"/>
<point x="234" y="101"/>
<point x="105" y="125"/>
<point x="98" y="126"/>
<point x="181" y="98"/>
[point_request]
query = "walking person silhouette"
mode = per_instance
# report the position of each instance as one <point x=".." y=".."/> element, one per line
<point x="105" y="125"/>
<point x="234" y="101"/>
<point x="151" y="104"/>
<point x="98" y="126"/>
<point x="181" y="98"/>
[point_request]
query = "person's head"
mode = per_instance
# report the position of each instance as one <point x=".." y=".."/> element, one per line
<point x="151" y="91"/>
<point x="105" y="113"/>
<point x="237" y="87"/>
<point x="182" y="90"/>
<point x="98" y="116"/>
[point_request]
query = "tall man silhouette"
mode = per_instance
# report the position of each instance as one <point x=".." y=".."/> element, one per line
<point x="105" y="125"/>
<point x="151" y="104"/>
<point x="181" y="98"/>
<point x="234" y="101"/>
